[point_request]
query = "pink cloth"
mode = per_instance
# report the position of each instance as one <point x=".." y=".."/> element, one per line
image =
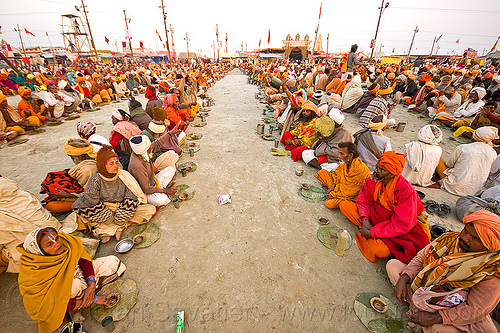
<point x="126" y="129"/>
<point x="398" y="229"/>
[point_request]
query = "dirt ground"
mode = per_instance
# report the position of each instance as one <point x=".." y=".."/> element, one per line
<point x="254" y="265"/>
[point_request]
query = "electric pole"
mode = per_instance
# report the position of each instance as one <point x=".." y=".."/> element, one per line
<point x="128" y="33"/>
<point x="187" y="45"/>
<point x="213" y="45"/>
<point x="166" y="31"/>
<point x="327" y="44"/>
<point x="21" y="39"/>
<point x="217" y="34"/>
<point x="226" y="42"/>
<point x="411" y="44"/>
<point x="382" y="9"/>
<point x="90" y="31"/>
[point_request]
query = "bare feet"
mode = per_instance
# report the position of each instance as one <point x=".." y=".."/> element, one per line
<point x="105" y="239"/>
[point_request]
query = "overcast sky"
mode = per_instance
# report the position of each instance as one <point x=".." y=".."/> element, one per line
<point x="474" y="24"/>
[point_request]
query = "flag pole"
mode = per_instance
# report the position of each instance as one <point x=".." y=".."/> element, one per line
<point x="22" y="44"/>
<point x="317" y="29"/>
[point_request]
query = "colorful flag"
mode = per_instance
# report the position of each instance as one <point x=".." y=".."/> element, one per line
<point x="124" y="44"/>
<point x="141" y="44"/>
<point x="158" y="36"/>
<point x="106" y="40"/>
<point x="494" y="46"/>
<point x="393" y="50"/>
<point x="269" y="36"/>
<point x="27" y="32"/>
<point x="458" y="41"/>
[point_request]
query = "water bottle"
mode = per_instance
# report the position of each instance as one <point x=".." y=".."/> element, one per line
<point x="342" y="243"/>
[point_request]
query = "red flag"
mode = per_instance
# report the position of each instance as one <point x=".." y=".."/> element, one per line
<point x="158" y="35"/>
<point x="124" y="44"/>
<point x="269" y="37"/>
<point x="260" y="40"/>
<point x="106" y="40"/>
<point x="320" y="6"/>
<point x="141" y="44"/>
<point x="27" y="32"/>
<point x="393" y="50"/>
<point x="458" y="41"/>
<point x="494" y="46"/>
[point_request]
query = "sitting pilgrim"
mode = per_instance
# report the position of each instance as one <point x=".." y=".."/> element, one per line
<point x="422" y="156"/>
<point x="87" y="130"/>
<point x="345" y="182"/>
<point x="169" y="150"/>
<point x="20" y="213"/>
<point x="64" y="187"/>
<point x="57" y="275"/>
<point x="371" y="142"/>
<point x="113" y="200"/>
<point x="154" y="184"/>
<point x="123" y="129"/>
<point x="324" y="153"/>
<point x="388" y="213"/>
<point x="452" y="284"/>
<point x="304" y="134"/>
<point x="465" y="171"/>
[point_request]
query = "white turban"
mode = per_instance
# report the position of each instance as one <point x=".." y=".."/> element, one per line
<point x="481" y="92"/>
<point x="485" y="134"/>
<point x="336" y="115"/>
<point x="62" y="84"/>
<point x="117" y="114"/>
<point x="426" y="134"/>
<point x="140" y="145"/>
<point x="156" y="126"/>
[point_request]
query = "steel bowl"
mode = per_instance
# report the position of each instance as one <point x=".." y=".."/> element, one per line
<point x="124" y="245"/>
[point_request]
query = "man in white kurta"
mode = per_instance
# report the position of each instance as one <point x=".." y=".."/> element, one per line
<point x="469" y="165"/>
<point x="422" y="156"/>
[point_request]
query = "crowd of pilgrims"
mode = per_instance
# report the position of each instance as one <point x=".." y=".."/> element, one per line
<point x="450" y="279"/>
<point x="116" y="181"/>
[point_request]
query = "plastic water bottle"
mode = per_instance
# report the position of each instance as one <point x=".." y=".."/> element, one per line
<point x="342" y="243"/>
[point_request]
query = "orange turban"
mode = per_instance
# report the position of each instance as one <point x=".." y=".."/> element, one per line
<point x="310" y="106"/>
<point x="393" y="162"/>
<point x="488" y="74"/>
<point x="487" y="226"/>
<point x="391" y="75"/>
<point x="2" y="98"/>
<point x="375" y="89"/>
<point x="23" y="91"/>
<point x="425" y="78"/>
<point x="79" y="79"/>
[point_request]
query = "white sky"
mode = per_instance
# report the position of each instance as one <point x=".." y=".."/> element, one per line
<point x="475" y="24"/>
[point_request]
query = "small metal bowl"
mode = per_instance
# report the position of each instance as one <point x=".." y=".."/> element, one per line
<point x="378" y="305"/>
<point x="323" y="221"/>
<point x="305" y="186"/>
<point x="113" y="299"/>
<point x="183" y="196"/>
<point x="124" y="245"/>
<point x="138" y="239"/>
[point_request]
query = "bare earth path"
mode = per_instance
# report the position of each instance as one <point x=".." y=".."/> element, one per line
<point x="254" y="265"/>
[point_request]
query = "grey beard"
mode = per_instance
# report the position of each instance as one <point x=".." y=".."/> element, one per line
<point x="375" y="177"/>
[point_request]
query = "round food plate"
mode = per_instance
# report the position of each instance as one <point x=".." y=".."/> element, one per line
<point x="186" y="146"/>
<point x="200" y="124"/>
<point x="268" y="137"/>
<point x="190" y="166"/>
<point x="313" y="194"/>
<point x="194" y="136"/>
<point x="124" y="245"/>
<point x="328" y="236"/>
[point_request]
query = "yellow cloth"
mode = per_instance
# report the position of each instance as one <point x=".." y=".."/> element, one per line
<point x="463" y="129"/>
<point x="348" y="181"/>
<point x="45" y="282"/>
<point x="17" y="129"/>
<point x="33" y="121"/>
